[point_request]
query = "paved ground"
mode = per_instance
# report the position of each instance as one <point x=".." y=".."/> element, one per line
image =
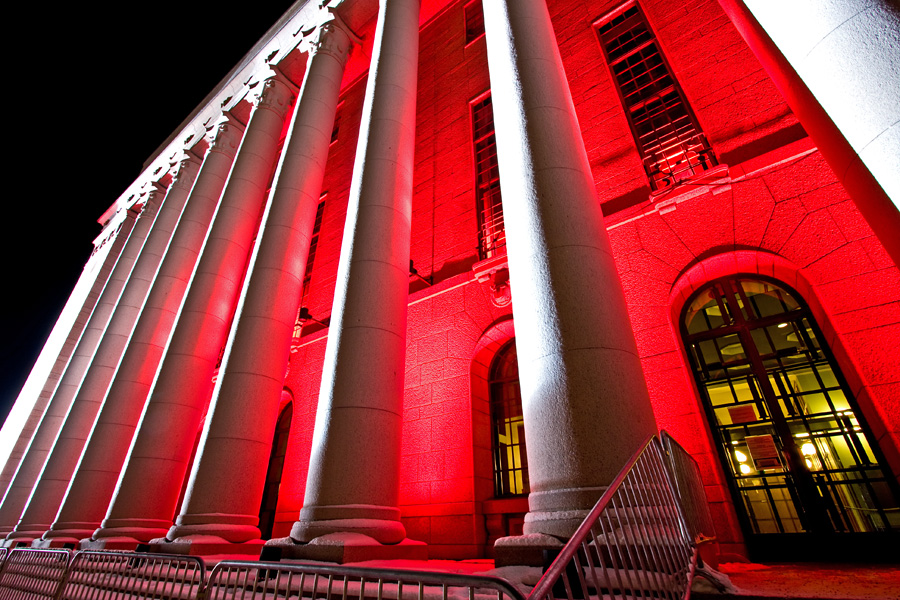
<point x="801" y="580"/>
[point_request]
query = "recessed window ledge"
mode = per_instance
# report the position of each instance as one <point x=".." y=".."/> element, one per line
<point x="715" y="181"/>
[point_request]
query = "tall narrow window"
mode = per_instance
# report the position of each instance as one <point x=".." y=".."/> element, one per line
<point x="491" y="235"/>
<point x="307" y="273"/>
<point x="668" y="137"/>
<point x="508" y="425"/>
<point x="274" y="472"/>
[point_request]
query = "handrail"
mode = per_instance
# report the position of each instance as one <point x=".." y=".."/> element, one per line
<point x="32" y="574"/>
<point x="689" y="485"/>
<point x="248" y="580"/>
<point x="634" y="540"/>
<point x="98" y="575"/>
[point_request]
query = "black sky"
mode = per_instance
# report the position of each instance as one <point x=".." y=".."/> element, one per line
<point x="92" y="89"/>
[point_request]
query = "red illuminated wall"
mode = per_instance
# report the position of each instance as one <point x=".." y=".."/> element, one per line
<point x="777" y="210"/>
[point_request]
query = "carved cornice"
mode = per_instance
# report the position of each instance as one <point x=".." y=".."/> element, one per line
<point x="276" y="96"/>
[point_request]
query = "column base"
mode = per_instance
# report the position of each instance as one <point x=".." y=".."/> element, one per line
<point x="344" y="547"/>
<point x="23" y="538"/>
<point x="69" y="537"/>
<point x="205" y="545"/>
<point x="525" y="550"/>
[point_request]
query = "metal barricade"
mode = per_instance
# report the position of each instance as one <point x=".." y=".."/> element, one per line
<point x="97" y="575"/>
<point x="271" y="581"/>
<point x="633" y="543"/>
<point x="3" y="553"/>
<point x="32" y="574"/>
<point x="689" y="487"/>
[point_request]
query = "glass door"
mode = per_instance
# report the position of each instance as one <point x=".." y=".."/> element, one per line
<point x="801" y="461"/>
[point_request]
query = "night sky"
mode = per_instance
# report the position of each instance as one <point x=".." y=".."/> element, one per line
<point x="95" y="88"/>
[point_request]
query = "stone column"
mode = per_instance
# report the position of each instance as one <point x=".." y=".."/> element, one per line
<point x="584" y="396"/>
<point x="839" y="74"/>
<point x="353" y="481"/>
<point x="123" y="254"/>
<point x="228" y="479"/>
<point x="181" y="385"/>
<point x="163" y="269"/>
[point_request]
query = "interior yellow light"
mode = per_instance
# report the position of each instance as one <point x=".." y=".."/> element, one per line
<point x="740" y="456"/>
<point x="808" y="449"/>
<point x="809" y="463"/>
<point x="745" y="469"/>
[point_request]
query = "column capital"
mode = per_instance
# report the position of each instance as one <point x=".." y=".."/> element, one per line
<point x="186" y="169"/>
<point x="330" y="36"/>
<point x="225" y="136"/>
<point x="277" y="94"/>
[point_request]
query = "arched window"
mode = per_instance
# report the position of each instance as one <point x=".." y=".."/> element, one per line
<point x="507" y="425"/>
<point x="273" y="474"/>
<point x="800" y="458"/>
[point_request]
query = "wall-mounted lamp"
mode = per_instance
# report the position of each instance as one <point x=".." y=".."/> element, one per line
<point x="305" y="316"/>
<point x="414" y="273"/>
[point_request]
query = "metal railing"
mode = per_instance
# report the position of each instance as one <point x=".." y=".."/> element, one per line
<point x="30" y="574"/>
<point x="97" y="575"/>
<point x="633" y="543"/>
<point x="689" y="487"/>
<point x="234" y="580"/>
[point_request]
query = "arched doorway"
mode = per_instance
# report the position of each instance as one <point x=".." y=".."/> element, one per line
<point x="805" y="474"/>
<point x="273" y="473"/>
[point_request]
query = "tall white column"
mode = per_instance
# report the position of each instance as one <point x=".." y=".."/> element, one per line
<point x="584" y="397"/>
<point x="39" y="446"/>
<point x="187" y="359"/>
<point x="840" y="74"/>
<point x="141" y="315"/>
<point x="353" y="481"/>
<point x="223" y="499"/>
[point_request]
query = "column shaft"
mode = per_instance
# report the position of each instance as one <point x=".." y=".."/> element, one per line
<point x="353" y="481"/>
<point x="584" y="397"/>
<point x="236" y="441"/>
<point x="126" y="247"/>
<point x="187" y="359"/>
<point x="140" y="315"/>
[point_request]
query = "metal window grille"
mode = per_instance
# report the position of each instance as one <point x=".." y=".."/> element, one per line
<point x="672" y="146"/>
<point x="492" y="236"/>
<point x="474" y="21"/>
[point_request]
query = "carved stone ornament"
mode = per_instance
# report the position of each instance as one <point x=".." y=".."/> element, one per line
<point x="226" y="139"/>
<point x="333" y="40"/>
<point x="276" y="96"/>
<point x="186" y="172"/>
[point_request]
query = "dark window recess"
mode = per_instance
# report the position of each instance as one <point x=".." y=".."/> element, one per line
<point x="274" y="473"/>
<point x="337" y="126"/>
<point x="508" y="425"/>
<point x="474" y="21"/>
<point x="310" y="259"/>
<point x="668" y="137"/>
<point x="491" y="235"/>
